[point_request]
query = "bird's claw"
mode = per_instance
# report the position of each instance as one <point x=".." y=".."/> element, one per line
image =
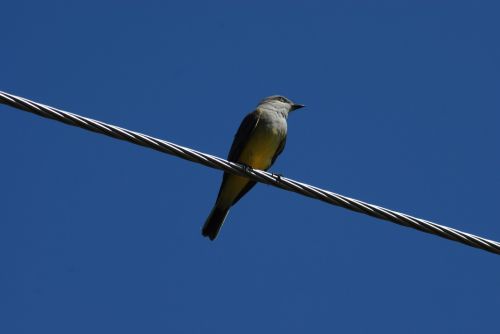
<point x="246" y="168"/>
<point x="278" y="176"/>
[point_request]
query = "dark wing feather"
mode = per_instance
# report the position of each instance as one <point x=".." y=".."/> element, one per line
<point x="240" y="140"/>
<point x="244" y="132"/>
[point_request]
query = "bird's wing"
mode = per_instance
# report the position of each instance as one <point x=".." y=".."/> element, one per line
<point x="243" y="134"/>
<point x="241" y="138"/>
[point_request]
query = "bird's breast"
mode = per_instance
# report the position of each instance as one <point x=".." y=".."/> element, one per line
<point x="263" y="144"/>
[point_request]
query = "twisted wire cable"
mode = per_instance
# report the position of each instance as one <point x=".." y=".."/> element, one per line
<point x="254" y="174"/>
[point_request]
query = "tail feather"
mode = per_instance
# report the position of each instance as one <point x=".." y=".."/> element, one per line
<point x="214" y="222"/>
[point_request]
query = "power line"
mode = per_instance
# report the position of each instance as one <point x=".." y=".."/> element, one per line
<point x="254" y="174"/>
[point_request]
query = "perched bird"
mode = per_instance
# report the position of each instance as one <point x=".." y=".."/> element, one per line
<point x="261" y="137"/>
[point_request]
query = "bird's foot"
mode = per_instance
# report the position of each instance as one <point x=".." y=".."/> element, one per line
<point x="246" y="167"/>
<point x="278" y="176"/>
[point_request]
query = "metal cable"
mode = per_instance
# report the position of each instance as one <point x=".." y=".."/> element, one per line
<point x="254" y="174"/>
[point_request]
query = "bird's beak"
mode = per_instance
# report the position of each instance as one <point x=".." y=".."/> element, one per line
<point x="297" y="106"/>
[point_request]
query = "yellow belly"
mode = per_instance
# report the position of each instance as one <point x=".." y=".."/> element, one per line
<point x="260" y="149"/>
<point x="258" y="154"/>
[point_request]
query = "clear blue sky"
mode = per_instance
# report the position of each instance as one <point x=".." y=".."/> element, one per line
<point x="101" y="236"/>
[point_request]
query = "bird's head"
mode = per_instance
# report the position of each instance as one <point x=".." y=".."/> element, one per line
<point x="280" y="102"/>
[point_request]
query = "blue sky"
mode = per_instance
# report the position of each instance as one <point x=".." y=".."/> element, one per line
<point x="98" y="235"/>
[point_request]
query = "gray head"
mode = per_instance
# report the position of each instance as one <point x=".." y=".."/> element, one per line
<point x="280" y="102"/>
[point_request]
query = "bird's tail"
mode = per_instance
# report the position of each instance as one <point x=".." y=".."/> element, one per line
<point x="214" y="222"/>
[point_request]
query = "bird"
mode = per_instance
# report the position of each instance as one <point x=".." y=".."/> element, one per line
<point x="260" y="139"/>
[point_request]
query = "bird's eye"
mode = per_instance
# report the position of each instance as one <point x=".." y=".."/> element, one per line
<point x="282" y="99"/>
